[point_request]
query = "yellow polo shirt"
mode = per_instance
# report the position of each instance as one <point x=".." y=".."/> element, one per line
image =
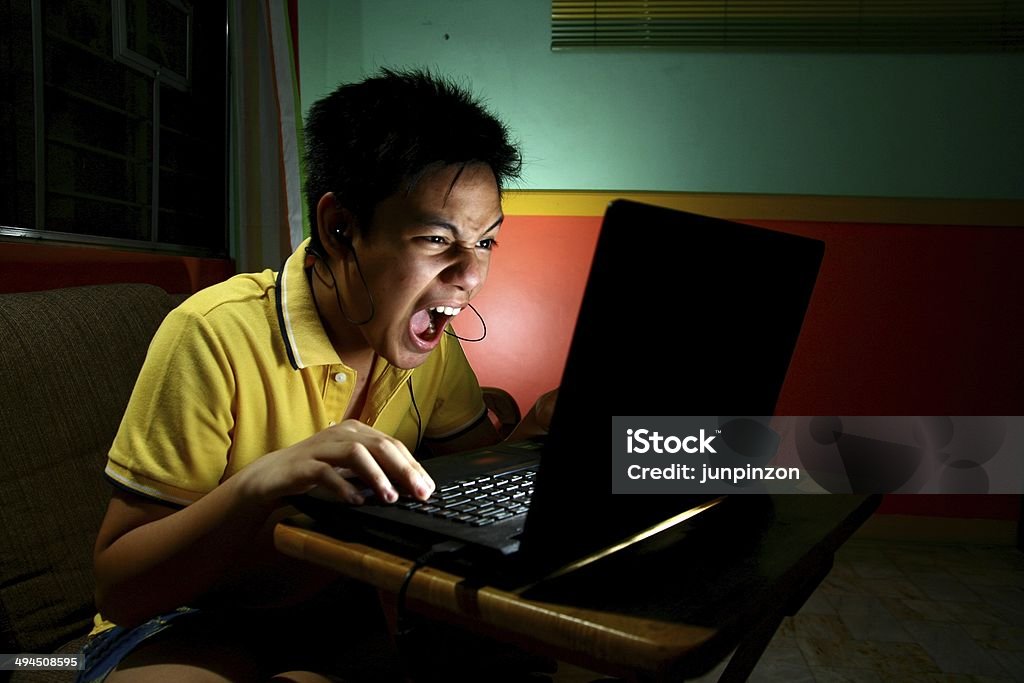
<point x="245" y="368"/>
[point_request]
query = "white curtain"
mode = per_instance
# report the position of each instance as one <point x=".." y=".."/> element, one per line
<point x="266" y="207"/>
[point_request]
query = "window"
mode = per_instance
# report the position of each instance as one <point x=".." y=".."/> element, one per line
<point x="116" y="127"/>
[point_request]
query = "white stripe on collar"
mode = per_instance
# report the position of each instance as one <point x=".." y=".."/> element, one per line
<point x="286" y="319"/>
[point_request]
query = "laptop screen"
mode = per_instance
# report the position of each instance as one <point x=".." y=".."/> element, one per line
<point x="682" y="315"/>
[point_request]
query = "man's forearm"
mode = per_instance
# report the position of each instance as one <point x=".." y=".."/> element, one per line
<point x="175" y="558"/>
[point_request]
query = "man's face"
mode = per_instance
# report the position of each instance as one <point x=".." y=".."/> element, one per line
<point x="425" y="256"/>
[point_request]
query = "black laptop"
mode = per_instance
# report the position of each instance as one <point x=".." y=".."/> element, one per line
<point x="682" y="315"/>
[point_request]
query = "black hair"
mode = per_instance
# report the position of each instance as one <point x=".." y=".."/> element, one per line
<point x="367" y="140"/>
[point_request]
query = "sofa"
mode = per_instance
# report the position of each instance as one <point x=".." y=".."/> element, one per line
<point x="70" y="360"/>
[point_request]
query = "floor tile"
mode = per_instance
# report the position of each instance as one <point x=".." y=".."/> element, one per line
<point x="945" y="588"/>
<point x="952" y="649"/>
<point x="771" y="673"/>
<point x="832" y="674"/>
<point x="892" y="588"/>
<point x="875" y="626"/>
<point x="892" y="611"/>
<point x="818" y="603"/>
<point x="884" y="658"/>
<point x="996" y="637"/>
<point x="822" y="626"/>
<point x="1012" y="663"/>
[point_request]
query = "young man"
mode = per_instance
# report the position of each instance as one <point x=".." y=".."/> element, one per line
<point x="268" y="385"/>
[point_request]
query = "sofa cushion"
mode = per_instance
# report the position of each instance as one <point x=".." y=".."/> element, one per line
<point x="70" y="360"/>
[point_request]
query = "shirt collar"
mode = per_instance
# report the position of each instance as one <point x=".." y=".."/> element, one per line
<point x="305" y="339"/>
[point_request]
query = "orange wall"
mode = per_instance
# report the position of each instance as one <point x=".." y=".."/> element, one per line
<point x="529" y="303"/>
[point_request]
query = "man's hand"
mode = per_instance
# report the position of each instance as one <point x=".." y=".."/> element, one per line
<point x="151" y="558"/>
<point x="325" y="459"/>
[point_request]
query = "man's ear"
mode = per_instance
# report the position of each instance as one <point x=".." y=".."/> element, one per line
<point x="335" y="224"/>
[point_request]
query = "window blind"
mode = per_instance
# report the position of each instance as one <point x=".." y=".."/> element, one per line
<point x="846" y="25"/>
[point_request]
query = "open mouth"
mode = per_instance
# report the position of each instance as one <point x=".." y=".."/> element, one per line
<point x="427" y="324"/>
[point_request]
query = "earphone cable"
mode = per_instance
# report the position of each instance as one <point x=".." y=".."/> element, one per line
<point x="337" y="294"/>
<point x="451" y="333"/>
<point x="419" y="418"/>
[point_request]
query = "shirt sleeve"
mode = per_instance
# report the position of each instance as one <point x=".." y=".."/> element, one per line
<point x="175" y="438"/>
<point x="460" y="403"/>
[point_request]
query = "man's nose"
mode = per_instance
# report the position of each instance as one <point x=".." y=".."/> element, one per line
<point x="468" y="269"/>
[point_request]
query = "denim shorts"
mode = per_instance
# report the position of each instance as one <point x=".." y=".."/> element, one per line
<point x="105" y="650"/>
<point x="344" y="636"/>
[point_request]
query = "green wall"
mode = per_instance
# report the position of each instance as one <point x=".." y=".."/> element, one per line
<point x="832" y="124"/>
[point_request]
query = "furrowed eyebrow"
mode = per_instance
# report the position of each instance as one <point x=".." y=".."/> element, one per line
<point x="454" y="229"/>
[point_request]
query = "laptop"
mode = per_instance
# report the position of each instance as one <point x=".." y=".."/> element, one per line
<point x="682" y="314"/>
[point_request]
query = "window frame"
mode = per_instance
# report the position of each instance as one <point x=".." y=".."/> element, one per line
<point x="36" y="229"/>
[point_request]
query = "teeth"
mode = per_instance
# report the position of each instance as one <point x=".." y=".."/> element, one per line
<point x="446" y="310"/>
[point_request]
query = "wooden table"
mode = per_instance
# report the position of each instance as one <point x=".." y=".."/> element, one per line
<point x="668" y="609"/>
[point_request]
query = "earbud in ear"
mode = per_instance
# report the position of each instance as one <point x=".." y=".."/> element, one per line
<point x="342" y="237"/>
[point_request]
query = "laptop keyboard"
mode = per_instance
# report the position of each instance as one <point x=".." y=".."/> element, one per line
<point x="480" y="501"/>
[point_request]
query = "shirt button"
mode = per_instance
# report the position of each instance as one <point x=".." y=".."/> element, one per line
<point x="331" y="423"/>
<point x="341" y="377"/>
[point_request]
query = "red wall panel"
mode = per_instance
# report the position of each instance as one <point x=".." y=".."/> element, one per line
<point x="33" y="267"/>
<point x="911" y="320"/>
